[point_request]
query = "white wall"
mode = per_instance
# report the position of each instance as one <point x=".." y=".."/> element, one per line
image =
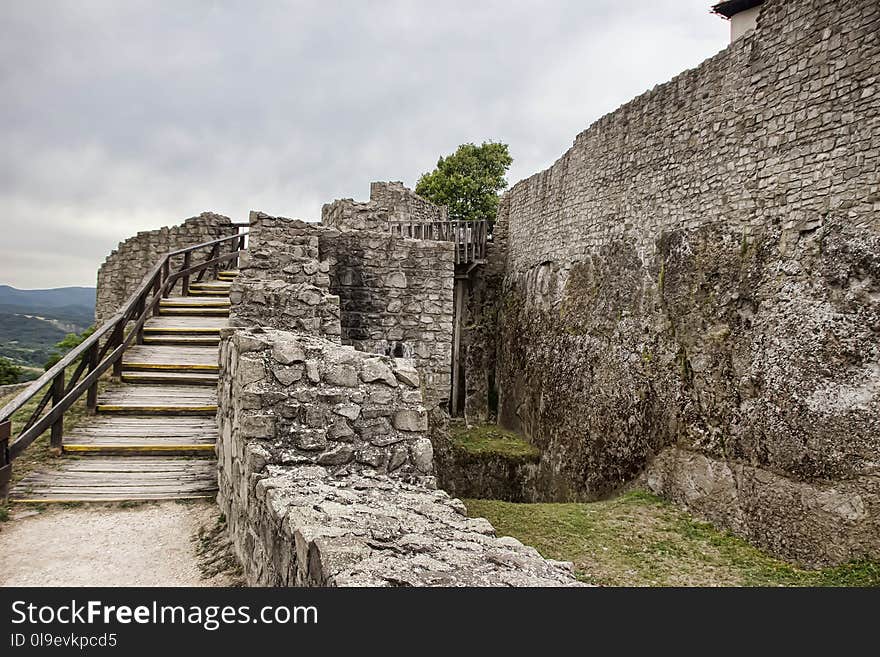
<point x="743" y="22"/>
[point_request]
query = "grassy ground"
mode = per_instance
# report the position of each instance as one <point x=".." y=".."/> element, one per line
<point x="490" y="439"/>
<point x="639" y="540"/>
<point x="38" y="454"/>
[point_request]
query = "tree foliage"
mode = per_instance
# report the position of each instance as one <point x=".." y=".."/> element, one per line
<point x="468" y="181"/>
<point x="70" y="341"/>
<point x="9" y="372"/>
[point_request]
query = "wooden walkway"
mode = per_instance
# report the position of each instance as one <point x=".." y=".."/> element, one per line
<point x="153" y="435"/>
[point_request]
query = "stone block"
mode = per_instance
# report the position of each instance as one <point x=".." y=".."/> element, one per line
<point x="411" y="420"/>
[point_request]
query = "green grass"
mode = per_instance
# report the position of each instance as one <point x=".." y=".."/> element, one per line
<point x="490" y="439"/>
<point x="638" y="539"/>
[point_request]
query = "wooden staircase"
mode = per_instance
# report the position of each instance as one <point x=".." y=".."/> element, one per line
<point x="152" y="436"/>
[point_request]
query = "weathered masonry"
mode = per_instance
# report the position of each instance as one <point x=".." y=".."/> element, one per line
<point x="689" y="298"/>
<point x="338" y="349"/>
<point x="691" y="293"/>
<point x="127" y="266"/>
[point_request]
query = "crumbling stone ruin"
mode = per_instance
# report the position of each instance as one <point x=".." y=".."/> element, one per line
<point x="388" y="202"/>
<point x="338" y="349"/>
<point x="127" y="266"/>
<point x="689" y="299"/>
<point x="326" y="474"/>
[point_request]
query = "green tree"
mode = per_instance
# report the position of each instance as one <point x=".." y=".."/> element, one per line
<point x="468" y="181"/>
<point x="70" y="341"/>
<point x="9" y="372"/>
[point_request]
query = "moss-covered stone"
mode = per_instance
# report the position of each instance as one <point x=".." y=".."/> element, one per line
<point x="491" y="441"/>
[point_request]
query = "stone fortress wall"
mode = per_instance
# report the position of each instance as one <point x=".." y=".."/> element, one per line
<point x="692" y="291"/>
<point x="688" y="298"/>
<point x="127" y="266"/>
<point x="326" y="472"/>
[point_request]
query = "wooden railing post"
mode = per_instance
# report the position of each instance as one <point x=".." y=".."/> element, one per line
<point x="56" y="439"/>
<point x="187" y="259"/>
<point x="92" y="394"/>
<point x="5" y="461"/>
<point x="116" y="340"/>
<point x="166" y="274"/>
<point x="157" y="285"/>
<point x="139" y="310"/>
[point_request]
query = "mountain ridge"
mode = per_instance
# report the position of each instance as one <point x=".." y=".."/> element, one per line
<point x="42" y="299"/>
<point x="32" y="322"/>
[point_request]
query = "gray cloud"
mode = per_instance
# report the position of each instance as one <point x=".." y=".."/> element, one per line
<point x="119" y="117"/>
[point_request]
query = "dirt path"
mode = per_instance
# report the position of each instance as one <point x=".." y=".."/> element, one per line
<point x="151" y="544"/>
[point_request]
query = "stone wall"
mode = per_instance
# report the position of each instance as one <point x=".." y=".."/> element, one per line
<point x="404" y="204"/>
<point x="696" y="283"/>
<point x="282" y="283"/>
<point x="325" y="474"/>
<point x="479" y="337"/>
<point x="127" y="266"/>
<point x="388" y="201"/>
<point x="312" y="401"/>
<point x="396" y="299"/>
<point x="381" y="294"/>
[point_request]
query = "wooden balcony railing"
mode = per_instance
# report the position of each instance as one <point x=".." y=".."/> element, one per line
<point x="102" y="350"/>
<point x="469" y="236"/>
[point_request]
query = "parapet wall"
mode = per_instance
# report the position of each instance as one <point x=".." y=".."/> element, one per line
<point x="127" y="266"/>
<point x="695" y="285"/>
<point x="325" y="475"/>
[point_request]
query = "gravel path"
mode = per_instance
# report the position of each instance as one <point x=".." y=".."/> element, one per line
<point x="151" y="544"/>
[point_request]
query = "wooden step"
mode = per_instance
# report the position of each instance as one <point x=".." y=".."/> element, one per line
<point x="183" y="340"/>
<point x="170" y="378"/>
<point x="200" y="289"/>
<point x="214" y="293"/>
<point x="159" y="400"/>
<point x="184" y="325"/>
<point x="193" y="312"/>
<point x="194" y="302"/>
<point x="227" y="275"/>
<point x="119" y="479"/>
<point x="115" y="434"/>
<point x="170" y="359"/>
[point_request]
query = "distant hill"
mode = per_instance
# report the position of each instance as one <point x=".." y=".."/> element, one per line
<point x="59" y="297"/>
<point x="32" y="321"/>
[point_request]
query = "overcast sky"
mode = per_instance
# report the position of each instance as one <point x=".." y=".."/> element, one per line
<point x="126" y="115"/>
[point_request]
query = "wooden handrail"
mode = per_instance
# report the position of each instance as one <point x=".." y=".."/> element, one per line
<point x="95" y="358"/>
<point x="469" y="237"/>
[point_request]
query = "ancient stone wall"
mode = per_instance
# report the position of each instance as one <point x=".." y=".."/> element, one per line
<point x="382" y="294"/>
<point x="479" y="339"/>
<point x="696" y="284"/>
<point x="325" y="474"/>
<point x="317" y="402"/>
<point x="282" y="283"/>
<point x="396" y="299"/>
<point x="404" y="204"/>
<point x="127" y="266"/>
<point x="355" y="215"/>
<point x="388" y="201"/>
